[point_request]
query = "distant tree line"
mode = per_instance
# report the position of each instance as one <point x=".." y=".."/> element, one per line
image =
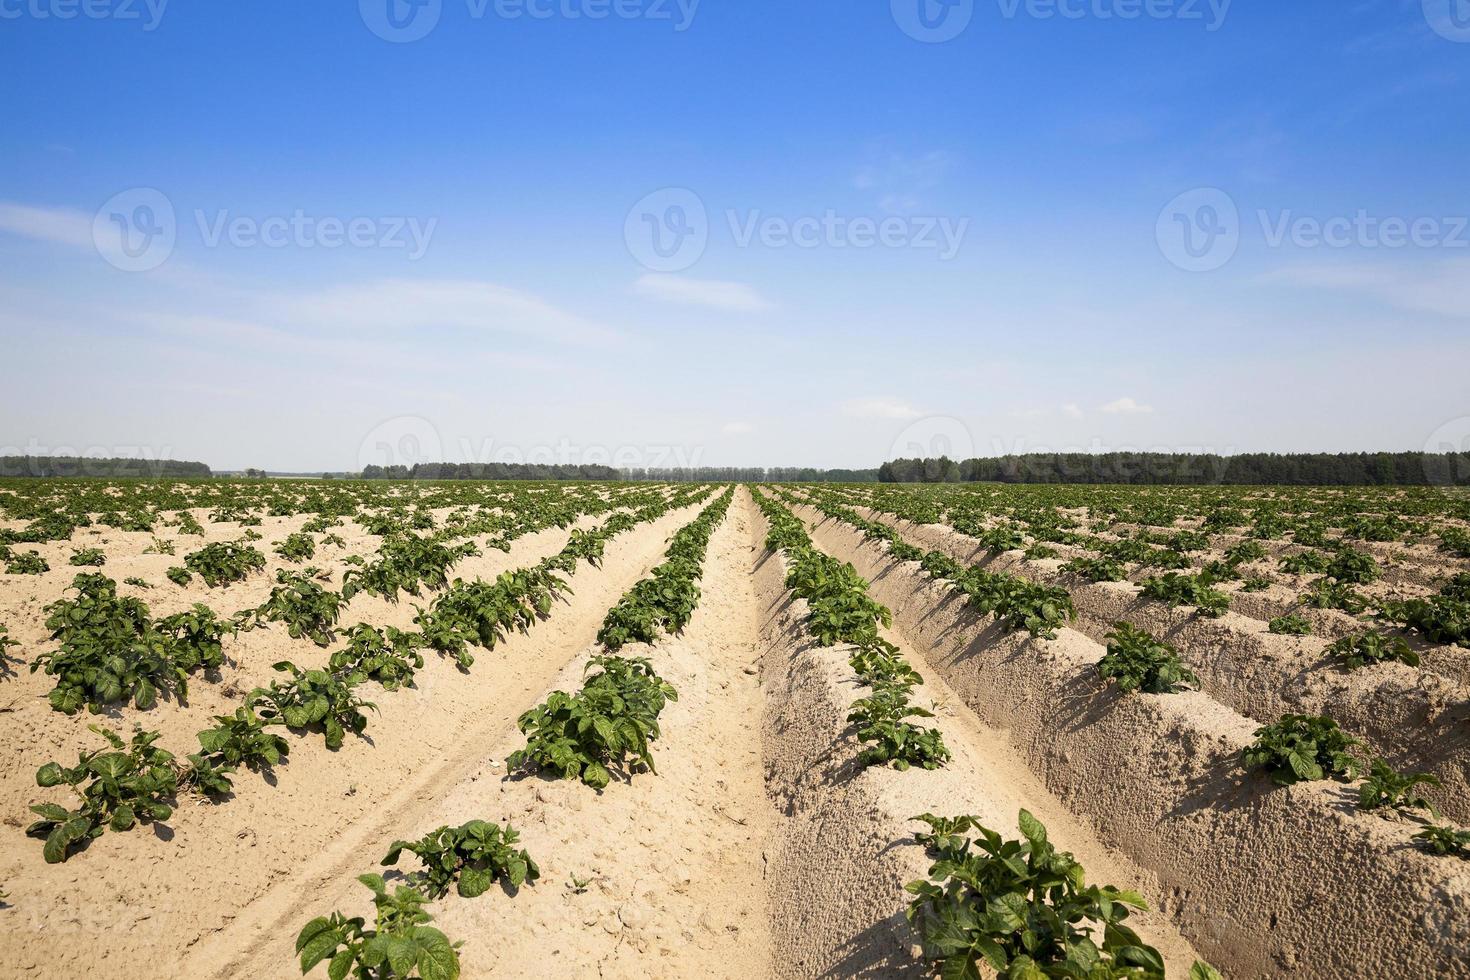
<point x="751" y="474"/>
<point x="1306" y="469"/>
<point x="112" y="468"/>
<point x="489" y="471"/>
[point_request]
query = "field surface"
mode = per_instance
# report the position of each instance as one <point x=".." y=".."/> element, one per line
<point x="634" y="730"/>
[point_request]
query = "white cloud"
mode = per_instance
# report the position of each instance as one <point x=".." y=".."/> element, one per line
<point x="880" y="407"/>
<point x="397" y="305"/>
<point x="701" y="292"/>
<point x="737" y="428"/>
<point x="60" y="225"/>
<point x="1072" y="411"/>
<point x="1441" y="287"/>
<point x="1126" y="406"/>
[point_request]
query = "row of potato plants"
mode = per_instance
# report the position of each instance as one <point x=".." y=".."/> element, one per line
<point x="842" y="612"/>
<point x="608" y="726"/>
<point x="120" y="788"/>
<point x="1295" y="748"/>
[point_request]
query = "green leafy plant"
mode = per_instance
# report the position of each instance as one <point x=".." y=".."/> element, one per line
<point x="1096" y="569"/>
<point x="471" y="857"/>
<point x="118" y="788"/>
<point x="400" y="944"/>
<point x="297" y="547"/>
<point x="243" y="739"/>
<point x="109" y="650"/>
<point x="1290" y="626"/>
<point x="307" y="609"/>
<point x="484" y="613"/>
<point x="388" y="656"/>
<point x="1363" y="649"/>
<point x="1335" y="595"/>
<point x="1303" y="747"/>
<point x="1438" y="618"/>
<point x="1385" y="787"/>
<point x="1305" y="563"/>
<point x="1444" y="841"/>
<point x="1256" y="583"/>
<point x="1354" y="567"/>
<point x="1135" y="661"/>
<point x="611" y="720"/>
<point x="179" y="576"/>
<point x="313" y="697"/>
<point x="224" y="562"/>
<point x="159" y="546"/>
<point x="1188" y="590"/>
<point x="882" y="725"/>
<point x="27" y="563"/>
<point x="1020" y="908"/>
<point x="87" y="558"/>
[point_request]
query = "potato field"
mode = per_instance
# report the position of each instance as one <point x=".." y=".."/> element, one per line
<point x="266" y="728"/>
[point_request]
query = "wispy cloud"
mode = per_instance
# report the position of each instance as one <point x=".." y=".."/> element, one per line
<point x="734" y="296"/>
<point x="1126" y="406"/>
<point x="60" y="225"/>
<point x="900" y="180"/>
<point x="880" y="407"/>
<point x="737" y="428"/>
<point x="400" y="305"/>
<point x="1441" y="287"/>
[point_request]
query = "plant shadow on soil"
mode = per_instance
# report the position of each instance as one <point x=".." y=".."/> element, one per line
<point x="876" y="952"/>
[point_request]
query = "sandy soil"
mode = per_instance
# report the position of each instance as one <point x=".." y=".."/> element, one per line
<point x="760" y="848"/>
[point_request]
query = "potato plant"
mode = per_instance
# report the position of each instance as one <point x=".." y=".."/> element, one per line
<point x="1135" y="661"/>
<point x="87" y="558"/>
<point x="1372" y="647"/>
<point x="310" y="698"/>
<point x="132" y="782"/>
<point x="1302" y="748"/>
<point x="891" y="739"/>
<point x="606" y="726"/>
<point x="26" y="563"/>
<point x="224" y="563"/>
<point x="1290" y="626"/>
<point x="388" y="656"/>
<point x="1386" y="787"/>
<point x="307" y="609"/>
<point x="1020" y="909"/>
<point x="1188" y="590"/>
<point x="470" y="858"/>
<point x="400" y="943"/>
<point x="296" y="548"/>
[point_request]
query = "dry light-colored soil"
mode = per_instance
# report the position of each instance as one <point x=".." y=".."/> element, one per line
<point x="761" y="847"/>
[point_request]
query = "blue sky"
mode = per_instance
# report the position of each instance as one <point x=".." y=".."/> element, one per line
<point x="1033" y="178"/>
